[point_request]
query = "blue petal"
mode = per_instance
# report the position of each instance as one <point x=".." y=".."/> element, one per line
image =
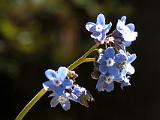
<point x="100" y="84"/>
<point x="131" y="58"/>
<point x="99" y="37"/>
<point x="109" y="87"/>
<point x="60" y="90"/>
<point x="54" y="102"/>
<point x="120" y="57"/>
<point x="101" y="19"/>
<point x="123" y="18"/>
<point x="130" y="69"/>
<point x="51" y="74"/>
<point x="66" y="105"/>
<point x="103" y="37"/>
<point x="62" y="73"/>
<point x="125" y="83"/>
<point x="48" y="85"/>
<point x="100" y="59"/>
<point x="109" y="52"/>
<point x="131" y="26"/>
<point x="103" y="68"/>
<point x="113" y="70"/>
<point x="95" y="35"/>
<point x="107" y="27"/>
<point x="89" y="26"/>
<point x="67" y="83"/>
<point x="127" y="43"/>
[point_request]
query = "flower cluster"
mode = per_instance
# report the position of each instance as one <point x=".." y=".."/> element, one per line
<point x="112" y="64"/>
<point x="61" y="84"/>
<point x="114" y="67"/>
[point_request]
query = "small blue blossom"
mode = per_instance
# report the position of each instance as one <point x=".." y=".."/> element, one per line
<point x="76" y="93"/>
<point x="105" y="83"/>
<point x="63" y="88"/>
<point x="64" y="101"/>
<point x="57" y="78"/>
<point x="99" y="29"/>
<point x="114" y="67"/>
<point x="127" y="31"/>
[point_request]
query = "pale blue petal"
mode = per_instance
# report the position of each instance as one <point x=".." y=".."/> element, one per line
<point x="95" y="34"/>
<point x="119" y="58"/>
<point x="67" y="83"/>
<point x="131" y="58"/>
<point x="90" y="25"/>
<point x="103" y="37"/>
<point x="130" y="69"/>
<point x="101" y="19"/>
<point x="99" y="37"/>
<point x="100" y="83"/>
<point x="51" y="74"/>
<point x="54" y="101"/>
<point x="60" y="90"/>
<point x="66" y="105"/>
<point x="62" y="73"/>
<point x="103" y="68"/>
<point x="109" y="87"/>
<point x="107" y="27"/>
<point x="100" y="58"/>
<point x="113" y="70"/>
<point x="109" y="52"/>
<point x="131" y="26"/>
<point x="123" y="19"/>
<point x="127" y="43"/>
<point x="48" y="85"/>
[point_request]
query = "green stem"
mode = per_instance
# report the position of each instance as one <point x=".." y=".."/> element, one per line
<point x="89" y="60"/>
<point x="43" y="91"/>
<point x="30" y="104"/>
<point x="81" y="59"/>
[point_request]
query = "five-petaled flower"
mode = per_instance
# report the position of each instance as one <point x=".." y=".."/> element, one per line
<point x="127" y="31"/>
<point x="99" y="29"/>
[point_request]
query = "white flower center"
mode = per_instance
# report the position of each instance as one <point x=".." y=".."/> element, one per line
<point x="109" y="79"/>
<point x="62" y="99"/>
<point x="99" y="28"/>
<point x="57" y="82"/>
<point x="110" y="62"/>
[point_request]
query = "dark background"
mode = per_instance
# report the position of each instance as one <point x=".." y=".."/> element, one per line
<point x="39" y="34"/>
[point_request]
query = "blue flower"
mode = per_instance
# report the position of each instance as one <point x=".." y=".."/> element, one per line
<point x="57" y="78"/>
<point x="109" y="60"/>
<point x="110" y="72"/>
<point x="64" y="101"/>
<point x="114" y="67"/>
<point x="105" y="83"/>
<point x="58" y="83"/>
<point x="127" y="31"/>
<point x="63" y="88"/>
<point x="99" y="29"/>
<point x="77" y="91"/>
<point x="128" y="70"/>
